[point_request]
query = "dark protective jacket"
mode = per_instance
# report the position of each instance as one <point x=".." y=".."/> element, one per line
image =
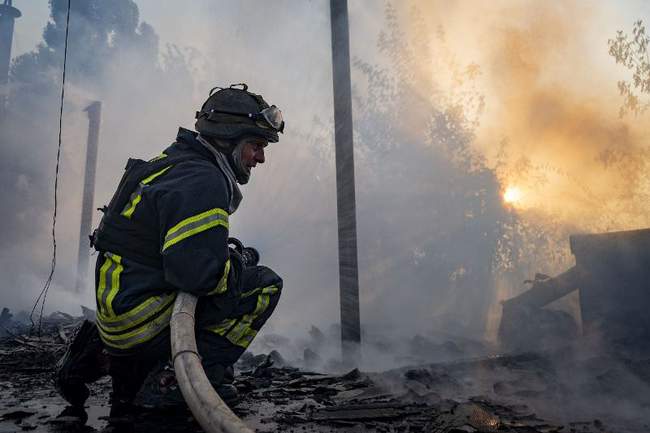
<point x="165" y="230"/>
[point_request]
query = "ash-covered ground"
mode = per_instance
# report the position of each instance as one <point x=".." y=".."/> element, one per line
<point x="574" y="388"/>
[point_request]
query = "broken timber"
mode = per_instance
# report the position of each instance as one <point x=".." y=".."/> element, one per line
<point x="612" y="273"/>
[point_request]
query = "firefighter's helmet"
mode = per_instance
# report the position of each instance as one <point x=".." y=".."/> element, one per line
<point x="233" y="112"/>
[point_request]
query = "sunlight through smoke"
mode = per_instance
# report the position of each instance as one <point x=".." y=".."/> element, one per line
<point x="512" y="195"/>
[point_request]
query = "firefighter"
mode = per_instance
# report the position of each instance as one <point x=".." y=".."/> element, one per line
<point x="166" y="230"/>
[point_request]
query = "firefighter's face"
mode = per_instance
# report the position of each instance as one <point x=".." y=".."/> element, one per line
<point x="253" y="151"/>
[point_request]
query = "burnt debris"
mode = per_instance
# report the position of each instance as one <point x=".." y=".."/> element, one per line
<point x="611" y="273"/>
<point x="565" y="391"/>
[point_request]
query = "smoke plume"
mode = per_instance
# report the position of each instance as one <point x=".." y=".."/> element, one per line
<point x="454" y="104"/>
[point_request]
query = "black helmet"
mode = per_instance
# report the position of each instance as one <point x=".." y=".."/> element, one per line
<point x="232" y="112"/>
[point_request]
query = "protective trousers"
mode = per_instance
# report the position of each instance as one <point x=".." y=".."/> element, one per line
<point x="220" y="344"/>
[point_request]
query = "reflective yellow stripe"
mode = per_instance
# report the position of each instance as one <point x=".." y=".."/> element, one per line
<point x="136" y="196"/>
<point x="242" y="334"/>
<point x="109" y="282"/>
<point x="137" y="315"/>
<point x="139" y="335"/>
<point x="222" y="327"/>
<point x="130" y="208"/>
<point x="115" y="283"/>
<point x="148" y="180"/>
<point x="136" y="325"/>
<point x="246" y="339"/>
<point x="196" y="224"/>
<point x="223" y="282"/>
<point x="269" y="290"/>
<point x="101" y="287"/>
<point x="237" y="333"/>
<point x="156" y="158"/>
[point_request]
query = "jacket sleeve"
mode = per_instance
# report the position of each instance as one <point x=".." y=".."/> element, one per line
<point x="193" y="224"/>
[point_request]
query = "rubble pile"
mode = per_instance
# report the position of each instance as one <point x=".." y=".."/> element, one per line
<point x="353" y="402"/>
<point x="286" y="399"/>
<point x="565" y="391"/>
<point x="22" y="349"/>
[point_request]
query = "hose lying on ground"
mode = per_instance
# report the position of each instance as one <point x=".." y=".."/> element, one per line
<point x="204" y="402"/>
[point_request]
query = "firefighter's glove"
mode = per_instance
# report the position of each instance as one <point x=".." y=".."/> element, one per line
<point x="249" y="256"/>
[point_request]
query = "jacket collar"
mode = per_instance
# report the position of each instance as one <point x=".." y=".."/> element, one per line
<point x="186" y="140"/>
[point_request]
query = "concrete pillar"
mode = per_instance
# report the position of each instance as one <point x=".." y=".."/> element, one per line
<point x="94" y="111"/>
<point x="8" y="15"/>
<point x="345" y="188"/>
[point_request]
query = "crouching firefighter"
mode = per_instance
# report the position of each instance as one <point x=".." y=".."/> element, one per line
<point x="166" y="230"/>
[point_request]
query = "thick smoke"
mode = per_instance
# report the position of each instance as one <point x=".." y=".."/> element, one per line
<point x="147" y="92"/>
<point x="110" y="52"/>
<point x="551" y="123"/>
<point x="429" y="208"/>
<point x="551" y="129"/>
<point x="454" y="103"/>
<point x="449" y="110"/>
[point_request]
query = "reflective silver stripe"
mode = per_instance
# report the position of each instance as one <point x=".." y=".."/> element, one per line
<point x="138" y="335"/>
<point x="194" y="225"/>
<point x="136" y="315"/>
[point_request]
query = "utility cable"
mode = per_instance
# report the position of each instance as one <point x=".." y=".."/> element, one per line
<point x="46" y="287"/>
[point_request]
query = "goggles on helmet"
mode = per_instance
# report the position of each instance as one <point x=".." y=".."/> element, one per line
<point x="268" y="118"/>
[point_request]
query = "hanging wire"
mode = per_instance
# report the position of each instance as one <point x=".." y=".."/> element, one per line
<point x="46" y="287"/>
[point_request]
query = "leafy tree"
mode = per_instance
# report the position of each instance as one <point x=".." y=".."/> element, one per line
<point x="429" y="208"/>
<point x="631" y="51"/>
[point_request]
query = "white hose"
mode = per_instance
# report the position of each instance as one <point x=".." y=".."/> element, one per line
<point x="206" y="405"/>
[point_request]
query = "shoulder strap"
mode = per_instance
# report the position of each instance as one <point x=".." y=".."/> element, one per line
<point x="136" y="170"/>
<point x="122" y="235"/>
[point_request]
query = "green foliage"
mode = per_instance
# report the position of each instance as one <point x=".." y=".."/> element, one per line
<point x="632" y="52"/>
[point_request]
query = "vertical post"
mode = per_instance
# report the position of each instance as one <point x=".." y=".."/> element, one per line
<point x="345" y="194"/>
<point x="94" y="111"/>
<point x="8" y="15"/>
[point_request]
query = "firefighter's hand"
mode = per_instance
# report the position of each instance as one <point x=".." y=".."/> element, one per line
<point x="236" y="245"/>
<point x="250" y="256"/>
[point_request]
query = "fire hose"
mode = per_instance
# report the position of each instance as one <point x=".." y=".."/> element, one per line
<point x="208" y="408"/>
